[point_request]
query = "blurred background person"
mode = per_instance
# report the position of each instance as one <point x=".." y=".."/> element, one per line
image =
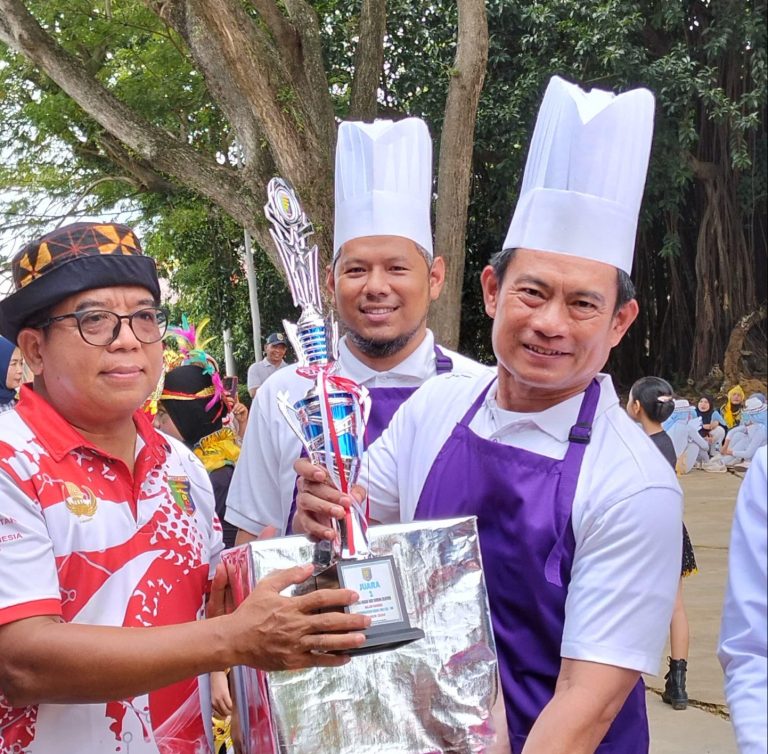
<point x="651" y="402"/>
<point x="743" y="650"/>
<point x="743" y="441"/>
<point x="712" y="424"/>
<point x="275" y="349"/>
<point x="731" y="409"/>
<point x="192" y="409"/>
<point x="11" y="372"/>
<point x="683" y="429"/>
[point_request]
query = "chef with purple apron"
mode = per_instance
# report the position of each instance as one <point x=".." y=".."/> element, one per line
<point x="383" y="277"/>
<point x="579" y="516"/>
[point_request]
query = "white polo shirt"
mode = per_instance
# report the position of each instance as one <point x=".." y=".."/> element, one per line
<point x="261" y="492"/>
<point x="627" y="511"/>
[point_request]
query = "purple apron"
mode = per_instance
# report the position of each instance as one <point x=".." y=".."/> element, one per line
<point x="523" y="502"/>
<point x="386" y="400"/>
<point x="384" y="403"/>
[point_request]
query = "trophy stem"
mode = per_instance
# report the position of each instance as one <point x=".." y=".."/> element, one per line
<point x="330" y="420"/>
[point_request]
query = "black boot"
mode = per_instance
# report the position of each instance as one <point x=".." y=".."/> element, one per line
<point x="674" y="691"/>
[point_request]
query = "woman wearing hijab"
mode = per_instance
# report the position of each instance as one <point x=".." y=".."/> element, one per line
<point x="712" y="424"/>
<point x="731" y="409"/>
<point x="743" y="441"/>
<point x="683" y="429"/>
<point x="11" y="373"/>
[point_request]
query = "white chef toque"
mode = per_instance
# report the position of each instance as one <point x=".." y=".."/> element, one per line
<point x="585" y="174"/>
<point x="383" y="181"/>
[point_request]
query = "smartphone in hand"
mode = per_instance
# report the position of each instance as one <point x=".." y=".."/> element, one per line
<point x="230" y="387"/>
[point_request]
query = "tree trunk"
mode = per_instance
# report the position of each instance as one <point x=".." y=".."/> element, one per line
<point x="732" y="374"/>
<point x="252" y="81"/>
<point x="455" y="165"/>
<point x="369" y="59"/>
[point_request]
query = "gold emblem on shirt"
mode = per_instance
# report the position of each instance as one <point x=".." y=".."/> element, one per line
<point x="81" y="502"/>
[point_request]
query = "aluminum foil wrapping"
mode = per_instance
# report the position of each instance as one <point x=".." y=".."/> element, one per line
<point x="434" y="695"/>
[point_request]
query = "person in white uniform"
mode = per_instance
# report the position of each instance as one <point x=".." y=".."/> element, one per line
<point x="683" y="429"/>
<point x="579" y="515"/>
<point x="743" y="649"/>
<point x="383" y="277"/>
<point x="745" y="439"/>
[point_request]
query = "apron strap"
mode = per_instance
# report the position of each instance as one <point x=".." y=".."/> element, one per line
<point x="473" y="409"/>
<point x="578" y="438"/>
<point x="443" y="363"/>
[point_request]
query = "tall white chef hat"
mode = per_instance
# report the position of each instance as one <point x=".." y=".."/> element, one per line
<point x="383" y="181"/>
<point x="585" y="174"/>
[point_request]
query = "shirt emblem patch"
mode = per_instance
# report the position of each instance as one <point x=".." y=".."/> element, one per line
<point x="180" y="491"/>
<point x="80" y="502"/>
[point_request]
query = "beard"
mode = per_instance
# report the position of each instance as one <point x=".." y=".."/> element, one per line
<point x="379" y="349"/>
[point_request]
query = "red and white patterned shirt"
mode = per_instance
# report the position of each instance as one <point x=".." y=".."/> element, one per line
<point x="83" y="538"/>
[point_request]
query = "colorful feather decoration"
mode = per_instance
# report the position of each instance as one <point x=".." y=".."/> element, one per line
<point x="192" y="345"/>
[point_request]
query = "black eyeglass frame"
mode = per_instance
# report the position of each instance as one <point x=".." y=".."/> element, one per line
<point x="78" y="316"/>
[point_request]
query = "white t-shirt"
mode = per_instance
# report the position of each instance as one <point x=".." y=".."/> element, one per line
<point x="626" y="511"/>
<point x="261" y="491"/>
<point x="743" y="650"/>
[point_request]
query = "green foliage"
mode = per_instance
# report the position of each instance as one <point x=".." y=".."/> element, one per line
<point x="199" y="250"/>
<point x="679" y="51"/>
<point x="704" y="60"/>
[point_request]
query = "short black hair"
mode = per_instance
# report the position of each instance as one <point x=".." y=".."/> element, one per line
<point x="655" y="396"/>
<point x="625" y="288"/>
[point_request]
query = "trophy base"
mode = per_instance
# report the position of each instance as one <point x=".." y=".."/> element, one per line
<point x="384" y="641"/>
<point x="377" y="582"/>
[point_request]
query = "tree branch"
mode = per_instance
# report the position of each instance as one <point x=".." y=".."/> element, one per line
<point x="249" y="79"/>
<point x="145" y="178"/>
<point x="20" y="30"/>
<point x="369" y="59"/>
<point x="455" y="165"/>
<point x="316" y="90"/>
<point x="286" y="37"/>
<point x="92" y="185"/>
<point x="298" y="43"/>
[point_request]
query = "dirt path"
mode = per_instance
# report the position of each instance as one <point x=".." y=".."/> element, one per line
<point x="704" y="727"/>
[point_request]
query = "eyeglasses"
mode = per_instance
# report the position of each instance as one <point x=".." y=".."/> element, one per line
<point x="99" y="327"/>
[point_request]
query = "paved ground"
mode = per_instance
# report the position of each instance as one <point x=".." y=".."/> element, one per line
<point x="703" y="728"/>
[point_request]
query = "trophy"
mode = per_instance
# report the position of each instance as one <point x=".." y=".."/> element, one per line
<point x="330" y="423"/>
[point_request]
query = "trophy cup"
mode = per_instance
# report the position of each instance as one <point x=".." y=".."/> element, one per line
<point x="330" y="423"/>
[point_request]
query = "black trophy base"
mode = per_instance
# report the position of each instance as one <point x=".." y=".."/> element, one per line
<point x="377" y="581"/>
<point x="385" y="640"/>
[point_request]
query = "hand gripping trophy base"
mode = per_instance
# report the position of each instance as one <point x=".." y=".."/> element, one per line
<point x="330" y="422"/>
<point x="375" y="578"/>
<point x="377" y="581"/>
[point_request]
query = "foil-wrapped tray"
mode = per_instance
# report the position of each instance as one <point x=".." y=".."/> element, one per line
<point x="432" y="696"/>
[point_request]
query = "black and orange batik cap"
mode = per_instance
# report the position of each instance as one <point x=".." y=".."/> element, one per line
<point x="69" y="260"/>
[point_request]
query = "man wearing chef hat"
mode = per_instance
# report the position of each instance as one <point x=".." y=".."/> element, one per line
<point x="579" y="516"/>
<point x="383" y="277"/>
